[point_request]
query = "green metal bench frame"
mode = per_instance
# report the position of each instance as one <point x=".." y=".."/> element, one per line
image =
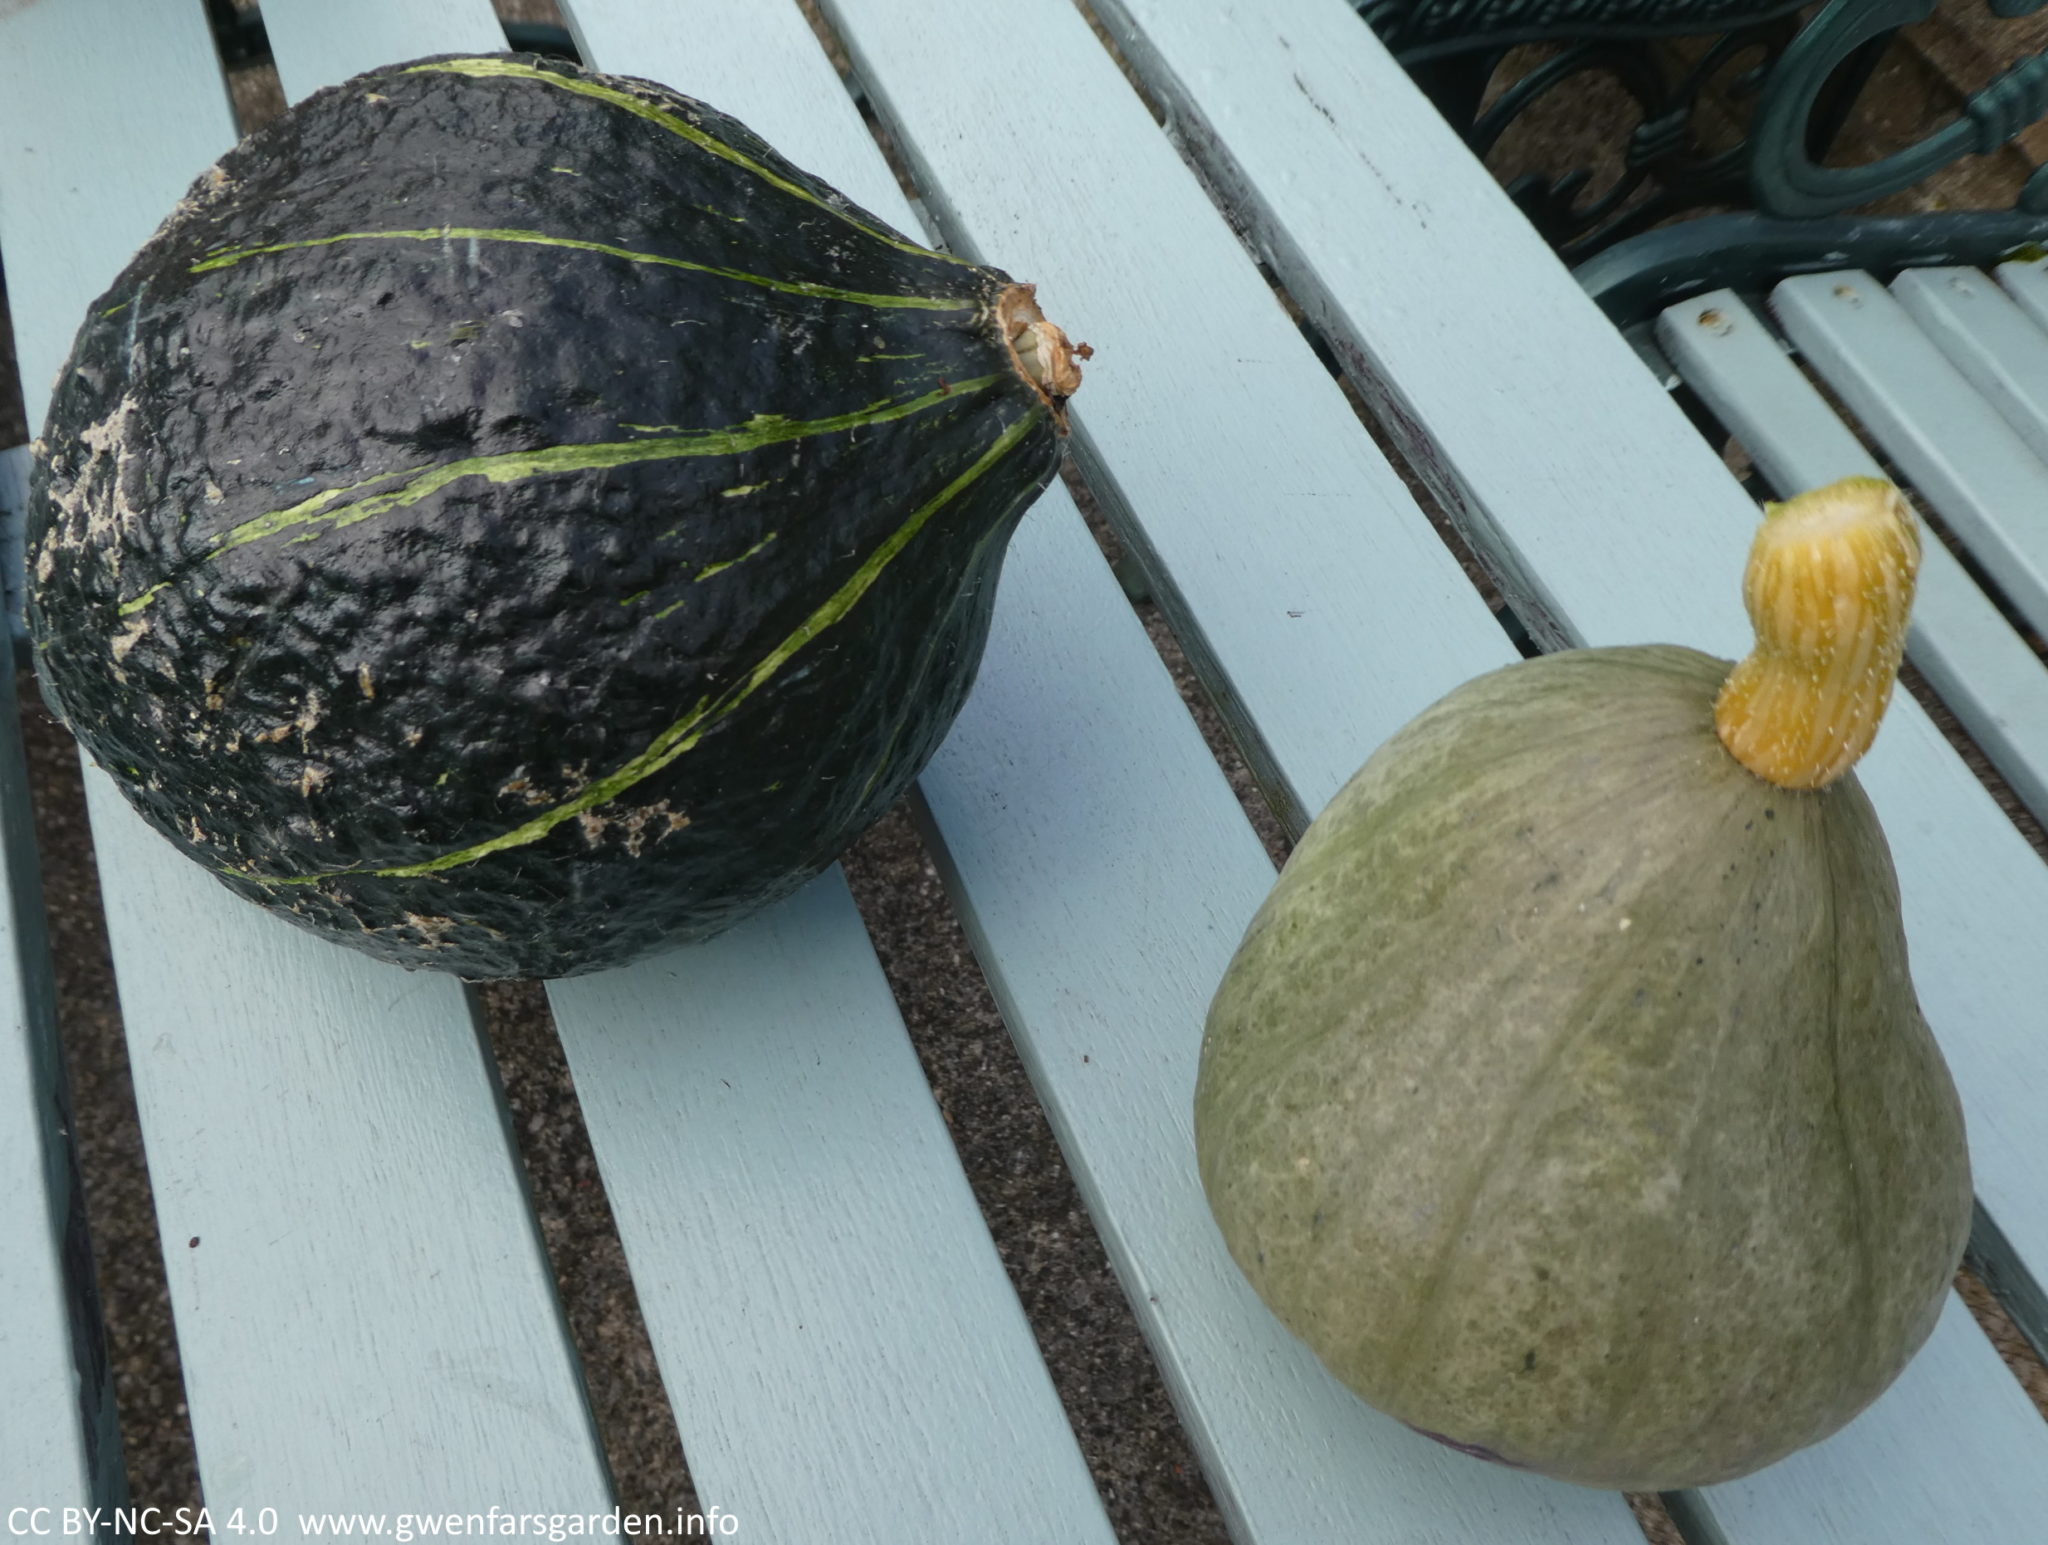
<point x="1801" y="81"/>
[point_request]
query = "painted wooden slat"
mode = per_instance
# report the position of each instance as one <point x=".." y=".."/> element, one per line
<point x="1113" y="872"/>
<point x="1515" y="401"/>
<point x="365" y="1314"/>
<point x="1272" y="530"/>
<point x="1996" y="686"/>
<point x="789" y="1053"/>
<point x="2026" y="281"/>
<point x="58" y="1444"/>
<point x="1968" y="463"/>
<point x="1537" y="423"/>
<point x="60" y="135"/>
<point x="1984" y="333"/>
<point x="834" y="1327"/>
<point x="317" y="42"/>
<point x="367" y="1318"/>
<point x="1954" y="1420"/>
<point x="1727" y="354"/>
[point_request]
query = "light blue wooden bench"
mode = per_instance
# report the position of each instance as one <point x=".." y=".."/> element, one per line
<point x="371" y="1323"/>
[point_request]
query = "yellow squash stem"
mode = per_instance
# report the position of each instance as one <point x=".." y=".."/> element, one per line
<point x="1828" y="587"/>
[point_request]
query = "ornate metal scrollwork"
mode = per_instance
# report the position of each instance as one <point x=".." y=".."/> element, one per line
<point x="1804" y="82"/>
<point x="1788" y="180"/>
<point x="1664" y="168"/>
<point x="1416" y="31"/>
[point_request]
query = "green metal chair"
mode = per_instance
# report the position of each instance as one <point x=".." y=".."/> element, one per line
<point x="1803" y="81"/>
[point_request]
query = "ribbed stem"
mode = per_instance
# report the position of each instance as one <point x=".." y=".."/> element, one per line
<point x="1828" y="587"/>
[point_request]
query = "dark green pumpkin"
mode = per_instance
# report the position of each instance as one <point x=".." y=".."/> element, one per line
<point x="509" y="518"/>
<point x="1569" y="1096"/>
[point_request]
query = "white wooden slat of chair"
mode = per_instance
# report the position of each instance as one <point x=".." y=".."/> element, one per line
<point x="1726" y="353"/>
<point x="1113" y="873"/>
<point x="2026" y="281"/>
<point x="844" y="1353"/>
<point x="57" y="1439"/>
<point x="1994" y="684"/>
<point x="1955" y="1424"/>
<point x="1969" y="464"/>
<point x="317" y="42"/>
<point x="1275" y="534"/>
<point x="1536" y="418"/>
<point x="58" y="1444"/>
<point x="1516" y="402"/>
<point x="1984" y="333"/>
<point x="64" y="241"/>
<point x="368" y="1318"/>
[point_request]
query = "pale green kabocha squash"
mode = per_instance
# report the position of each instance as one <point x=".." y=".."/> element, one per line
<point x="1569" y="1096"/>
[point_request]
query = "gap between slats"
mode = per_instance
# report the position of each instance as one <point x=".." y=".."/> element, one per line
<point x="13" y="422"/>
<point x="649" y="1472"/>
<point x="142" y="1349"/>
<point x="1151" y="1485"/>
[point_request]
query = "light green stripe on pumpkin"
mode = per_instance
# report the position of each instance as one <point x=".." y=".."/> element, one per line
<point x="310" y="518"/>
<point x="486" y="68"/>
<point x="710" y="569"/>
<point x="141" y="602"/>
<point x="576" y="244"/>
<point x="684" y="734"/>
<point x="759" y="432"/>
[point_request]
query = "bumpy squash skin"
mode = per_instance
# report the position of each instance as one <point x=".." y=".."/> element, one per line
<point x="1569" y="1095"/>
<point x="758" y="639"/>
